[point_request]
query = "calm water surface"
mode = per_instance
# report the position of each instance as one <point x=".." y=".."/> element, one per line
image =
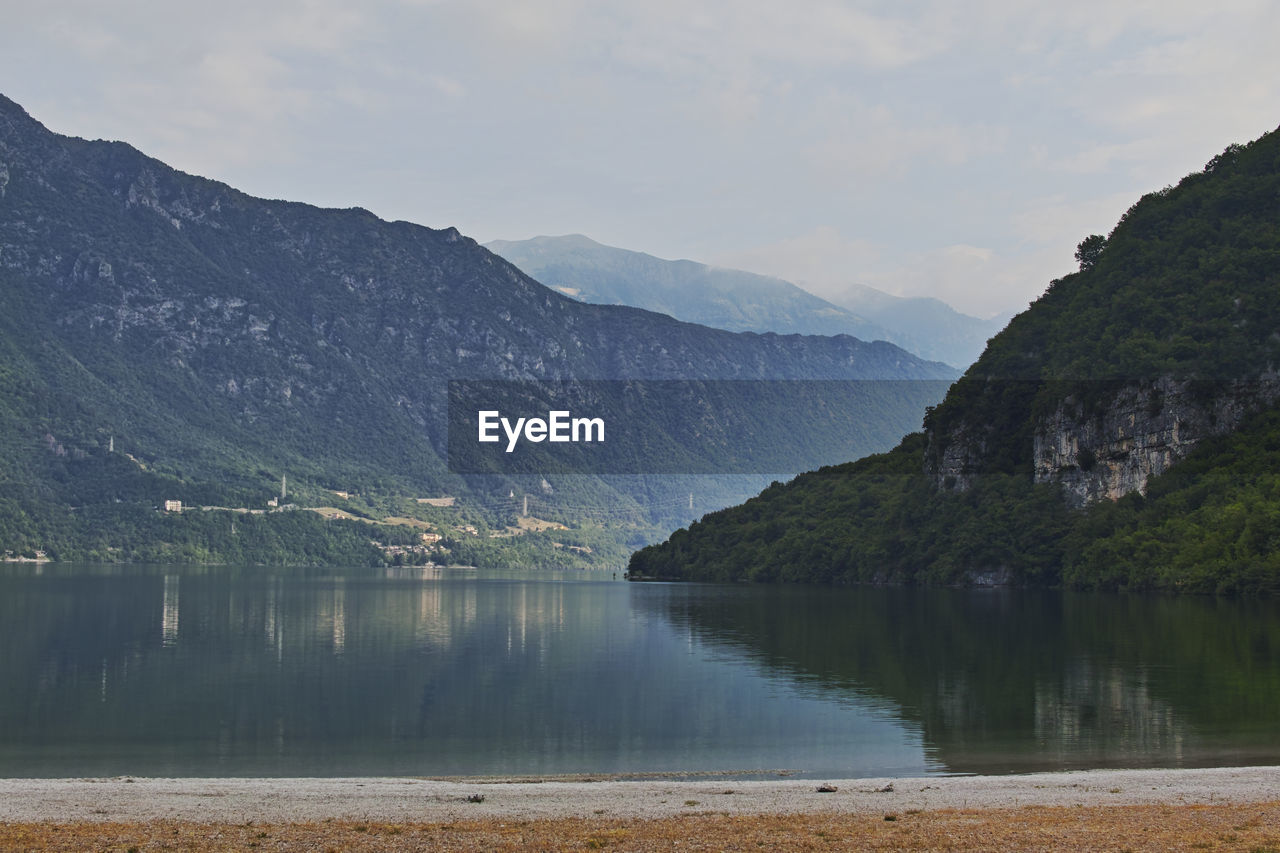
<point x="232" y="672"/>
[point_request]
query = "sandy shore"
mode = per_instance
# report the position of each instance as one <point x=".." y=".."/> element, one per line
<point x="395" y="800"/>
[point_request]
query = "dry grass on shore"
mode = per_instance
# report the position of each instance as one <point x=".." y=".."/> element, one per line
<point x="1254" y="828"/>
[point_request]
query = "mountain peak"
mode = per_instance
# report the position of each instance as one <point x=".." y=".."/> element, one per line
<point x="544" y="243"/>
<point x="13" y="117"/>
<point x="11" y="107"/>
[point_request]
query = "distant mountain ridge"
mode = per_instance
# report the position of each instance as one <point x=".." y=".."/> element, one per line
<point x="924" y="325"/>
<point x="165" y="335"/>
<point x="742" y="301"/>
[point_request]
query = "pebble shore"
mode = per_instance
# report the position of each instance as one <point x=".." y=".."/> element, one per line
<point x="129" y="799"/>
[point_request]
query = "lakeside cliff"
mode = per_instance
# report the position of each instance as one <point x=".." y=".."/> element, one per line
<point x="1119" y="433"/>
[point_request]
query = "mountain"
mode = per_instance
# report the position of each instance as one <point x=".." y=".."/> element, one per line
<point x="922" y="324"/>
<point x="1120" y="433"/>
<point x="743" y="301"/>
<point x="724" y="299"/>
<point x="164" y="336"/>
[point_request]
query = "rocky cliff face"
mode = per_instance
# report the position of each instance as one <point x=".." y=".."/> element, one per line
<point x="1138" y="433"/>
<point x="957" y="462"/>
<point x="1106" y="439"/>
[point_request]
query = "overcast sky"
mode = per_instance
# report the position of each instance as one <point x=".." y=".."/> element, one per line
<point x="954" y="149"/>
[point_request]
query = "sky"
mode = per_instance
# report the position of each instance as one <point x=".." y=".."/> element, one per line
<point x="958" y="149"/>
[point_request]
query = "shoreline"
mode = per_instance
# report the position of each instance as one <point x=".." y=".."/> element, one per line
<point x="407" y="799"/>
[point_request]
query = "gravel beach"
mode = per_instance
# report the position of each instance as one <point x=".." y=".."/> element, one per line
<point x="127" y="799"/>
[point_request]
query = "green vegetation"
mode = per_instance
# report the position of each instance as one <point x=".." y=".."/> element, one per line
<point x="140" y="533"/>
<point x="878" y="520"/>
<point x="99" y="508"/>
<point x="1186" y="286"/>
<point x="1210" y="524"/>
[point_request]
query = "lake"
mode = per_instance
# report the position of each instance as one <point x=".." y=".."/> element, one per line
<point x="225" y="671"/>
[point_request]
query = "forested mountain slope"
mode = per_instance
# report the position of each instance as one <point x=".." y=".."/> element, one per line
<point x="1118" y="433"/>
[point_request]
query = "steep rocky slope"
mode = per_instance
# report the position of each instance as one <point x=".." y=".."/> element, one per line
<point x="220" y="339"/>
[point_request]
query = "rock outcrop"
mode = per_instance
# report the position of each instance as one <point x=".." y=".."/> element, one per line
<point x="1104" y="439"/>
<point x="1138" y="432"/>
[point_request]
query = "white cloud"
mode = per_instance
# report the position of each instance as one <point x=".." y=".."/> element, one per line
<point x="447" y="85"/>
<point x="856" y="141"/>
<point x="821" y="261"/>
<point x="976" y="280"/>
<point x="1045" y="220"/>
<point x="711" y="36"/>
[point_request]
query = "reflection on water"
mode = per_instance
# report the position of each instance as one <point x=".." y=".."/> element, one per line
<point x="248" y="671"/>
<point x="169" y="625"/>
<point x="403" y="671"/>
<point x="1004" y="680"/>
<point x="1107" y="712"/>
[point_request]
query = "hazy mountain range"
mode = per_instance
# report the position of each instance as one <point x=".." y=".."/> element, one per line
<point x="744" y="301"/>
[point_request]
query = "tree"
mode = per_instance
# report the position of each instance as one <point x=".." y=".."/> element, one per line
<point x="1089" y="250"/>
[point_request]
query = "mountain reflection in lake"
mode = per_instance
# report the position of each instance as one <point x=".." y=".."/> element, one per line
<point x="169" y="671"/>
<point x="224" y="671"/>
<point x="1003" y="680"/>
